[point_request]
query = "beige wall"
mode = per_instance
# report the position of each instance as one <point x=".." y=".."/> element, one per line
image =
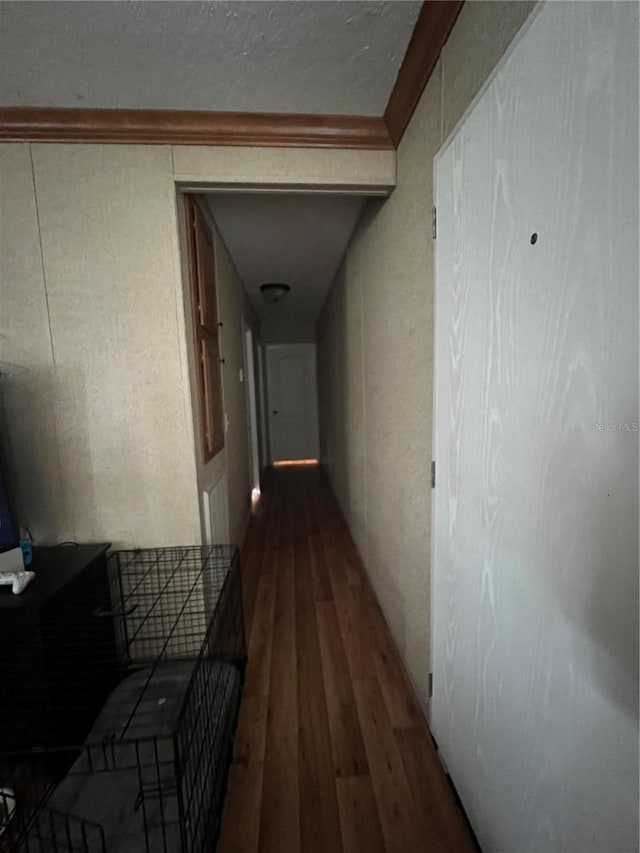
<point x="285" y="168"/>
<point x="234" y="307"/>
<point x="376" y="344"/>
<point x="112" y="449"/>
<point x="99" y="428"/>
<point x="29" y="395"/>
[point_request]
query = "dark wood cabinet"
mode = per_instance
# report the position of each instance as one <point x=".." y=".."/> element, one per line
<point x="59" y="656"/>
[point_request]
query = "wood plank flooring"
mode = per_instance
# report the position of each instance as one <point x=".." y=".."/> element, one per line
<point x="332" y="752"/>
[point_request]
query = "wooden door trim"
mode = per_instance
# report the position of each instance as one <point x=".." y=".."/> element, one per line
<point x="192" y="127"/>
<point x="210" y="438"/>
<point x="435" y="22"/>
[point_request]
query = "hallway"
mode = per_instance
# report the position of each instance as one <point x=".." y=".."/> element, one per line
<point x="332" y="752"/>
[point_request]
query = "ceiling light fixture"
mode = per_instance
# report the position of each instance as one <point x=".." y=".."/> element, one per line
<point x="274" y="291"/>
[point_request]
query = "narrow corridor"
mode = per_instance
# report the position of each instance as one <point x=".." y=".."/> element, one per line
<point x="332" y="752"/>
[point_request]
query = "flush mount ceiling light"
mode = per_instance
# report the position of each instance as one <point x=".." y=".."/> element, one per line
<point x="274" y="291"/>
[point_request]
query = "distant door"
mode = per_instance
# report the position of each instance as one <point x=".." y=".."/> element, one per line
<point x="293" y="401"/>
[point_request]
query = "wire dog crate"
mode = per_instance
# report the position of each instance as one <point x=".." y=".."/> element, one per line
<point x="146" y="771"/>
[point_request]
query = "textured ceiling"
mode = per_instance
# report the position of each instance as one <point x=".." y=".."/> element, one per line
<point x="301" y="57"/>
<point x="292" y="238"/>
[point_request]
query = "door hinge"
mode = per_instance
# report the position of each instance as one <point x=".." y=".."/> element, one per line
<point x="430" y="685"/>
<point x="434" y="223"/>
<point x="433" y="474"/>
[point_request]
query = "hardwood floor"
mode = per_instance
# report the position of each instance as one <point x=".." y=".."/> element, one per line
<point x="332" y="752"/>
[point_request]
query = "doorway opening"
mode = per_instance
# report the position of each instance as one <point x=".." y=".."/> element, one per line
<point x="265" y="353"/>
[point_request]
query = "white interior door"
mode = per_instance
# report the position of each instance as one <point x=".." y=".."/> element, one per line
<point x="535" y="508"/>
<point x="293" y="401"/>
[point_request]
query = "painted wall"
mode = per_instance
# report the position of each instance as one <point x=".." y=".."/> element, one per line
<point x="99" y="429"/>
<point x="234" y="305"/>
<point x="109" y="439"/>
<point x="290" y="168"/>
<point x="25" y="340"/>
<point x="375" y="346"/>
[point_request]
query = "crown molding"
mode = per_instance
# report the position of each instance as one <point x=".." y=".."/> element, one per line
<point x="435" y="22"/>
<point x="191" y="127"/>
